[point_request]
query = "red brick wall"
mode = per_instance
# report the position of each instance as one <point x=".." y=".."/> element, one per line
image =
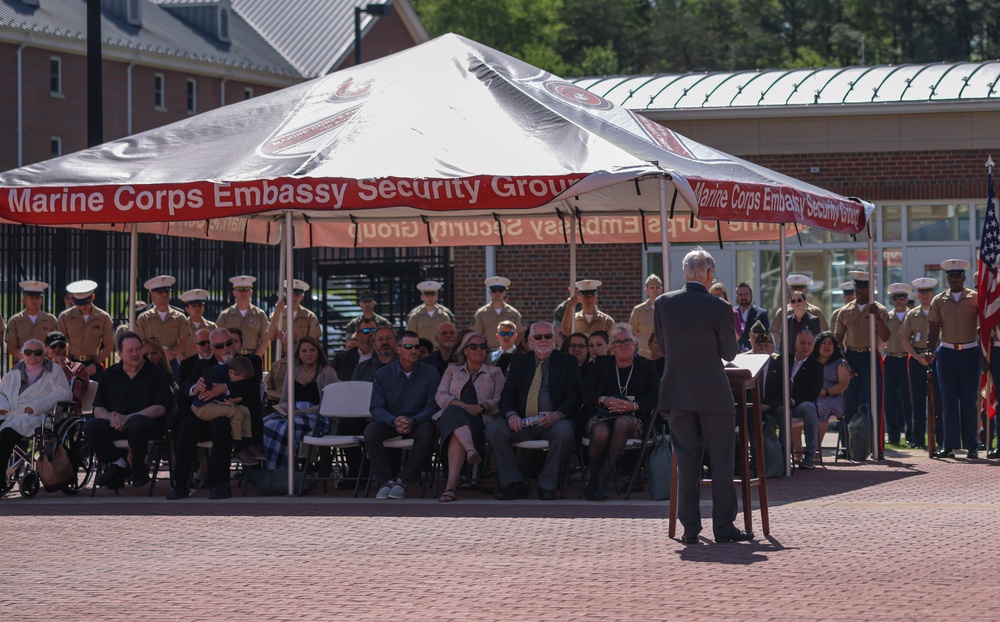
<point x="908" y="175"/>
<point x="540" y="274"/>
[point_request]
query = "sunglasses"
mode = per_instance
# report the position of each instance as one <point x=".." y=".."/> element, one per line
<point x="899" y="296"/>
<point x="59" y="345"/>
<point x="794" y="300"/>
<point x="161" y="290"/>
<point x="202" y="344"/>
<point x="541" y="337"/>
<point x="588" y="294"/>
<point x="477" y="346"/>
<point x="506" y="333"/>
<point x="498" y="290"/>
<point x="368" y="331"/>
<point x="33" y="352"/>
<point x="219" y="346"/>
<point x="81" y="302"/>
<point x="409" y="346"/>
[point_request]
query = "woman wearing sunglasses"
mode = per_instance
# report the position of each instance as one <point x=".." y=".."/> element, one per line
<point x="30" y="389"/>
<point x="800" y="318"/>
<point x="469" y="396"/>
<point x="620" y="392"/>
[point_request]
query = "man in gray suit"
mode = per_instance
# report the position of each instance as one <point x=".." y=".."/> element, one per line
<point x="696" y="333"/>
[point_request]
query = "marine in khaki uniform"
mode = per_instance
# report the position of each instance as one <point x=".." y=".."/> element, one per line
<point x="194" y="304"/>
<point x="798" y="284"/>
<point x="954" y="318"/>
<point x="488" y="317"/>
<point x="168" y="326"/>
<point x="305" y="322"/>
<point x="588" y="319"/>
<point x="853" y="330"/>
<point x="915" y="332"/>
<point x="366" y="300"/>
<point x="848" y="289"/>
<point x="897" y="384"/>
<point x="425" y="319"/>
<point x="641" y="319"/>
<point x="32" y="322"/>
<point x="250" y="319"/>
<point x="88" y="328"/>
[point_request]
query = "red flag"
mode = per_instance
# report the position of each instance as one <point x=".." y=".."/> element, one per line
<point x="989" y="280"/>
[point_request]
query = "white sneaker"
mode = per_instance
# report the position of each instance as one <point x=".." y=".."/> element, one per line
<point x="398" y="491"/>
<point x="384" y="491"/>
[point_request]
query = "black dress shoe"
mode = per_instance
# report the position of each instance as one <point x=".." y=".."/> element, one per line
<point x="178" y="493"/>
<point x="944" y="452"/>
<point x="972" y="454"/>
<point x="546" y="495"/>
<point x="738" y="536"/>
<point x="220" y="491"/>
<point x="140" y="479"/>
<point x="689" y="538"/>
<point x="112" y="477"/>
<point x="993" y="454"/>
<point x="518" y="490"/>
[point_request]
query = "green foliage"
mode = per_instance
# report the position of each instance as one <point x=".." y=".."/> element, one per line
<point x="602" y="37"/>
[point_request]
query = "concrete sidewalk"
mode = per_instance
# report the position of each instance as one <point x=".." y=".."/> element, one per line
<point x="905" y="539"/>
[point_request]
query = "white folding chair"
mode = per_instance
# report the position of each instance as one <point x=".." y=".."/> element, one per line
<point x="350" y="399"/>
<point x="87" y="402"/>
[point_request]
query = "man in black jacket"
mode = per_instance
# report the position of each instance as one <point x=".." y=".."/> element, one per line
<point x="806" y="383"/>
<point x="543" y="389"/>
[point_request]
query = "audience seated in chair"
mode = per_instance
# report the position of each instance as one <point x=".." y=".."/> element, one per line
<point x="806" y="382"/>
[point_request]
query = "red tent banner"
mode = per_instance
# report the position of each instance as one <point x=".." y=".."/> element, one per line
<point x="445" y="134"/>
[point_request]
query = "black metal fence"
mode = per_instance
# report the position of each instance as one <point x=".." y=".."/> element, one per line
<point x="61" y="256"/>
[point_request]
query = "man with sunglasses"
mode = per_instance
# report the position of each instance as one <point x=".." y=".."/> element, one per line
<point x="249" y="318"/>
<point x="32" y="322"/>
<point x="488" y="317"/>
<point x="192" y="430"/>
<point x="853" y="332"/>
<point x="346" y="361"/>
<point x="541" y="396"/>
<point x="202" y="352"/>
<point x="589" y="318"/>
<point x="402" y="403"/>
<point x="89" y="329"/>
<point x="897" y="385"/>
<point x="57" y="350"/>
<point x="168" y="326"/>
<point x="194" y="305"/>
<point x="507" y="338"/>
<point x="366" y="300"/>
<point x="425" y="319"/>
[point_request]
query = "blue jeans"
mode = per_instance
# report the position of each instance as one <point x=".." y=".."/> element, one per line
<point x="958" y="373"/>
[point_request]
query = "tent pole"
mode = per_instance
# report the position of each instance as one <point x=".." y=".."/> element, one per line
<point x="664" y="230"/>
<point x="786" y="350"/>
<point x="873" y="352"/>
<point x="491" y="267"/>
<point x="279" y="345"/>
<point x="572" y="262"/>
<point x="290" y="349"/>
<point x="133" y="271"/>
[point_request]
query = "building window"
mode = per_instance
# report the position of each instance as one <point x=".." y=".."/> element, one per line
<point x="159" y="98"/>
<point x="937" y="223"/>
<point x="248" y="93"/>
<point x="55" y="146"/>
<point x="192" y="96"/>
<point x="55" y="75"/>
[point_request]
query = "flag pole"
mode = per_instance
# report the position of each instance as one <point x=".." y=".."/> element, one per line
<point x="985" y="278"/>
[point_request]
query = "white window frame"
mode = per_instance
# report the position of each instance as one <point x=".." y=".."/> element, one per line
<point x="58" y="92"/>
<point x="192" y="96"/>
<point x="159" y="91"/>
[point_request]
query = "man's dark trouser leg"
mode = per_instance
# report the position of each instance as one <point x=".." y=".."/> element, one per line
<point x="689" y="448"/>
<point x="416" y="458"/>
<point x="377" y="433"/>
<point x="193" y="431"/>
<point x="917" y="373"/>
<point x="101" y="438"/>
<point x="139" y="430"/>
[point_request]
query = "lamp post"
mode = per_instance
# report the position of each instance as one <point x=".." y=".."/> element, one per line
<point x="375" y="10"/>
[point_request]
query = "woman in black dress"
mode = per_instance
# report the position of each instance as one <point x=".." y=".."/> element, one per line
<point x="621" y="392"/>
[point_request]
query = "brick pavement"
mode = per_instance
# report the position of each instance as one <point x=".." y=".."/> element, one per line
<point x="902" y="540"/>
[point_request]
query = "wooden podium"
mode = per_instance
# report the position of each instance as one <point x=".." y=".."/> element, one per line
<point x="743" y="375"/>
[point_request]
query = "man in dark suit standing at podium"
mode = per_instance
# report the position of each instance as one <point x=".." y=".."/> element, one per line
<point x="696" y="332"/>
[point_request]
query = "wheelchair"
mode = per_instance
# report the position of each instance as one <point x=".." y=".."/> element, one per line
<point x="60" y="428"/>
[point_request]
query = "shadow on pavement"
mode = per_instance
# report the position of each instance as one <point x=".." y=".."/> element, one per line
<point x="732" y="553"/>
<point x="838" y="478"/>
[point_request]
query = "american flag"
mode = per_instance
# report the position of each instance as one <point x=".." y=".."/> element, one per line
<point x="989" y="281"/>
<point x="989" y="258"/>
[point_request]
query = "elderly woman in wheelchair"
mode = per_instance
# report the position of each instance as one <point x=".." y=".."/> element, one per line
<point x="33" y="387"/>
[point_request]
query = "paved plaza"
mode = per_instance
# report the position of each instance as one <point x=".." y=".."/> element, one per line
<point x="907" y="539"/>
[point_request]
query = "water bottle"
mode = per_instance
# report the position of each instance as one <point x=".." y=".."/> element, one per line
<point x="530" y="421"/>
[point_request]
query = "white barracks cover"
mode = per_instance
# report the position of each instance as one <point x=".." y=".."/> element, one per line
<point x="447" y="143"/>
